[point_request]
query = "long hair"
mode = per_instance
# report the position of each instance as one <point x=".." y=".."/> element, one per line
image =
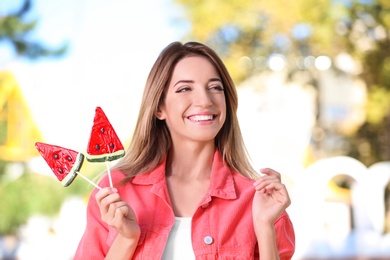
<point x="151" y="140"/>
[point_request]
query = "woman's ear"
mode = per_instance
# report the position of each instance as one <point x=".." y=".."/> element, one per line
<point x="160" y="114"/>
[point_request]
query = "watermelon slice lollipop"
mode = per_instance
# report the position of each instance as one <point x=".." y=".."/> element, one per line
<point x="104" y="144"/>
<point x="65" y="163"/>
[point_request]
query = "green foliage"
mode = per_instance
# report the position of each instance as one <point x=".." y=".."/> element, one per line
<point x="255" y="29"/>
<point x="3" y="130"/>
<point x="378" y="105"/>
<point x="32" y="194"/>
<point x="15" y="29"/>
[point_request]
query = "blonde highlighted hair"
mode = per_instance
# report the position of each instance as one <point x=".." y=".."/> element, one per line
<point x="151" y="140"/>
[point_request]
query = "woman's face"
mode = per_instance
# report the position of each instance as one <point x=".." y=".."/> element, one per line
<point x="194" y="107"/>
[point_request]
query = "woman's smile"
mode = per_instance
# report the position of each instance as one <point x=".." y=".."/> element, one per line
<point x="202" y="118"/>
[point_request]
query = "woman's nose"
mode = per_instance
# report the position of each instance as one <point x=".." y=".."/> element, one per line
<point x="202" y="98"/>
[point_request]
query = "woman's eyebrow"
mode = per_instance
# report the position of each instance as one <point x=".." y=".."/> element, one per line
<point x="191" y="81"/>
<point x="183" y="81"/>
<point x="215" y="79"/>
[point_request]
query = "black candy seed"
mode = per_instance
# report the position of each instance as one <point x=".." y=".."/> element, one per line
<point x="97" y="147"/>
<point x="69" y="158"/>
<point x="55" y="156"/>
<point x="102" y="130"/>
<point x="60" y="170"/>
<point x="112" y="145"/>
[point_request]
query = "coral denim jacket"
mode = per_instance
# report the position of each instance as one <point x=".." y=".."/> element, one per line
<point x="222" y="226"/>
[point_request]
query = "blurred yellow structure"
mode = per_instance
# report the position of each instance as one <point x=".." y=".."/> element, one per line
<point x="336" y="193"/>
<point x="18" y="132"/>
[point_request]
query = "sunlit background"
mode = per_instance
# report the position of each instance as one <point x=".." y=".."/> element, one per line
<point x="313" y="79"/>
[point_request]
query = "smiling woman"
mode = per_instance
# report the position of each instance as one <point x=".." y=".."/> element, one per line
<point x="194" y="106"/>
<point x="186" y="177"/>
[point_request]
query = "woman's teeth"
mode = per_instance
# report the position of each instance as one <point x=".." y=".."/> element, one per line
<point x="202" y="117"/>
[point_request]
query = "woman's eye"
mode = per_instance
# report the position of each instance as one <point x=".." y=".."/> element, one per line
<point x="183" y="89"/>
<point x="217" y="87"/>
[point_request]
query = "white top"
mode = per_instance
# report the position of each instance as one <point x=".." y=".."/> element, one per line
<point x="179" y="245"/>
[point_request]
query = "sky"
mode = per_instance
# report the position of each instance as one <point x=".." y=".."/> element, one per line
<point x="113" y="44"/>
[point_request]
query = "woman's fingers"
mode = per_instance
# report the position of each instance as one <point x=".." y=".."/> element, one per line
<point x="116" y="212"/>
<point x="108" y="200"/>
<point x="270" y="172"/>
<point x="270" y="176"/>
<point x="265" y="181"/>
<point x="102" y="193"/>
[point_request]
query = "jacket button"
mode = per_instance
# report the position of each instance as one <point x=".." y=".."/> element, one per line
<point x="205" y="206"/>
<point x="208" y="240"/>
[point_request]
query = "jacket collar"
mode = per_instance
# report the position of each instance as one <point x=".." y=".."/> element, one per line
<point x="221" y="180"/>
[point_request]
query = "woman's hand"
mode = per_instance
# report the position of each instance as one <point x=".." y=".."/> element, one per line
<point x="271" y="198"/>
<point x="117" y="214"/>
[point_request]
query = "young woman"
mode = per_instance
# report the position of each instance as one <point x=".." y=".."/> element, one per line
<point x="185" y="188"/>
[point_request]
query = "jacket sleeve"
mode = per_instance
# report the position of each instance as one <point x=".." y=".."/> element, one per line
<point x="93" y="244"/>
<point x="285" y="236"/>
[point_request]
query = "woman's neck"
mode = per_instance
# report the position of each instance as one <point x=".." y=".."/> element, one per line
<point x="188" y="178"/>
<point x="190" y="162"/>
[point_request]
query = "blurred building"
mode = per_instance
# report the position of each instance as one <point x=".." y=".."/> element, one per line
<point x="18" y="131"/>
<point x="340" y="207"/>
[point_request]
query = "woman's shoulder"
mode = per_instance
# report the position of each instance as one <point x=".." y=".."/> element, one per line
<point x="243" y="184"/>
<point x="242" y="179"/>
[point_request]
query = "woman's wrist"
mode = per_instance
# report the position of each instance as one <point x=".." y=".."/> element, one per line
<point x="266" y="239"/>
<point x="126" y="239"/>
<point x="264" y="229"/>
<point x="123" y="247"/>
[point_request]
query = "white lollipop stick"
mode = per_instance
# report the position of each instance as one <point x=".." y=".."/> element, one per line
<point x="88" y="180"/>
<point x="109" y="174"/>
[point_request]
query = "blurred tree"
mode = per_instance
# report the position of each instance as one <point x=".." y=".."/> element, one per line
<point x="367" y="33"/>
<point x="15" y="30"/>
<point x="246" y="33"/>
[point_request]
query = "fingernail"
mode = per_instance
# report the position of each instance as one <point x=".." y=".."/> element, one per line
<point x="114" y="189"/>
